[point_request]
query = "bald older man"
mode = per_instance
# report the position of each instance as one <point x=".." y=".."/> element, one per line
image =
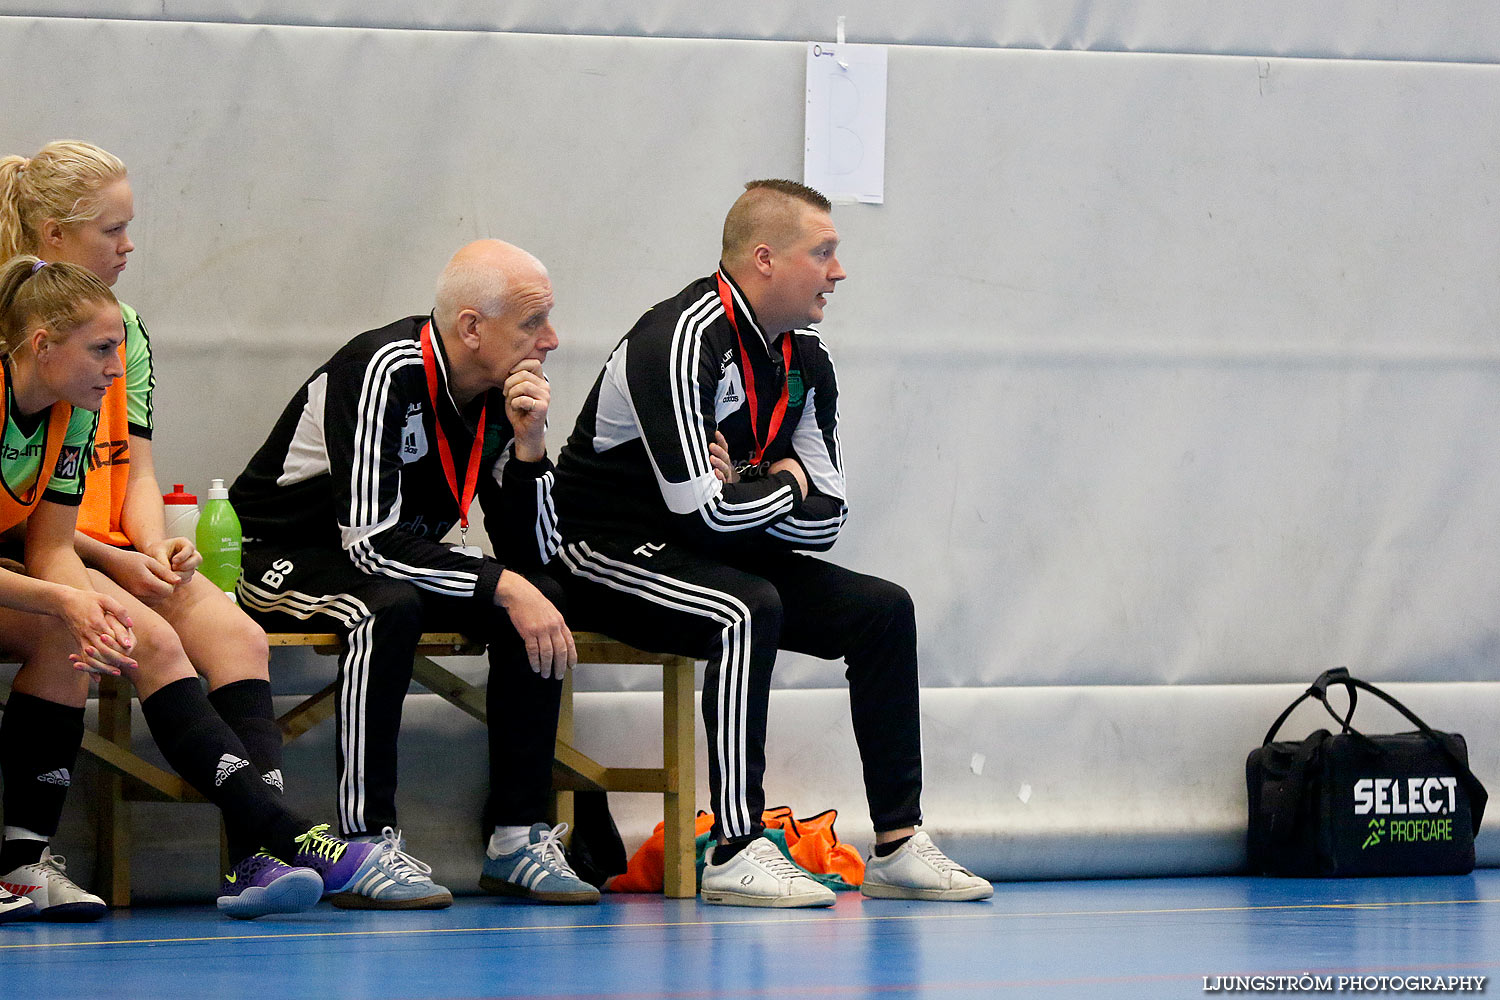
<point x="705" y="457"/>
<point x="345" y="509"/>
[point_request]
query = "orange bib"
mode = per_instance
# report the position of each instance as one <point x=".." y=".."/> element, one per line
<point x="109" y="472"/>
<point x="13" y="509"/>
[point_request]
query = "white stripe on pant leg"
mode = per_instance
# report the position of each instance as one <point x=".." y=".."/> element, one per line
<point x="726" y="609"/>
<point x="355" y="717"/>
<point x="742" y="679"/>
<point x="346" y="609"/>
<point x="731" y="808"/>
<point x="730" y="612"/>
<point x="358" y="624"/>
<point x="734" y="671"/>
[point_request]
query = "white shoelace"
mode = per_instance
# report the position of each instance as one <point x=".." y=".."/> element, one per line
<point x="549" y="849"/>
<point x="929" y="852"/>
<point x="774" y="861"/>
<point x="54" y="866"/>
<point x="401" y="863"/>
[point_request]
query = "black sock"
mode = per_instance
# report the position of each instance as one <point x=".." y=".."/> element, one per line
<point x="15" y="853"/>
<point x="39" y="742"/>
<point x="246" y="707"/>
<point x="202" y="748"/>
<point x="727" y="850"/>
<point x="886" y="850"/>
<point x="281" y="836"/>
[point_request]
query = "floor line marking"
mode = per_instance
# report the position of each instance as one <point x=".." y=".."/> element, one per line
<point x="820" y="919"/>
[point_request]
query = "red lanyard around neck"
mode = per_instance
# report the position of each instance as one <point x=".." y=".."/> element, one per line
<point x="777" y="413"/>
<point x="445" y="453"/>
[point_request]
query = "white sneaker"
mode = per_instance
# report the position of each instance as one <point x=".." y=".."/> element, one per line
<point x="918" y="870"/>
<point x="56" y="896"/>
<point x="760" y="875"/>
<point x="13" y="907"/>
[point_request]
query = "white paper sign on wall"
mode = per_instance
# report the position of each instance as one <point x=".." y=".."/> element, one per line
<point x="844" y="152"/>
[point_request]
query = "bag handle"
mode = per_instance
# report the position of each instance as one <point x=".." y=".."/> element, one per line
<point x="1478" y="797"/>
<point x="1319" y="690"/>
<point x="1340" y="675"/>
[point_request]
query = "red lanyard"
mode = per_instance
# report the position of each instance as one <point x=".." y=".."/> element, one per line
<point x="471" y="471"/>
<point x="779" y="412"/>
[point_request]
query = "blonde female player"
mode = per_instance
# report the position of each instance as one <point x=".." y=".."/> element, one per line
<point x="72" y="203"/>
<point x="44" y="442"/>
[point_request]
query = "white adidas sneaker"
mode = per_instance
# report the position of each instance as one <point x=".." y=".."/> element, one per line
<point x="918" y="870"/>
<point x="56" y="896"/>
<point x="760" y="875"/>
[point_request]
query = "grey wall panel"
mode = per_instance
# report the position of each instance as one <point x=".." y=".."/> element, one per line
<point x="1154" y="367"/>
<point x="1465" y="30"/>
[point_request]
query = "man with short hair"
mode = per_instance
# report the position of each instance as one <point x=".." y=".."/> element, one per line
<point x="706" y="455"/>
<point x="345" y="508"/>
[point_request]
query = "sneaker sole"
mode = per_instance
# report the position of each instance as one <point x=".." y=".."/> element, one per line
<point x="81" y="912"/>
<point x="881" y="891"/>
<point x="23" y="912"/>
<point x="777" y="902"/>
<point x="500" y="887"/>
<point x="354" y="901"/>
<point x="294" y="892"/>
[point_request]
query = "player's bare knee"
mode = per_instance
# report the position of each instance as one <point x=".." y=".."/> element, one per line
<point x="249" y="642"/>
<point x="156" y="642"/>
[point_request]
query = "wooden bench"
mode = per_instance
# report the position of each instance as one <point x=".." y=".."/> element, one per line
<point x="125" y="777"/>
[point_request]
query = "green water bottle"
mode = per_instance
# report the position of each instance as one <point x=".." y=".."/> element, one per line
<point x="219" y="539"/>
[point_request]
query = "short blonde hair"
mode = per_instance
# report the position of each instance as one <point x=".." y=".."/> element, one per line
<point x="63" y="181"/>
<point x="768" y="212"/>
<point x="60" y="297"/>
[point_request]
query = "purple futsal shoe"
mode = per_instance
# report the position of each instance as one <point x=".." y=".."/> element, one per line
<point x="261" y="885"/>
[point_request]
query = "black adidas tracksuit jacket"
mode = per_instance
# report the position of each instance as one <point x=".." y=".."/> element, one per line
<point x="344" y="509"/>
<point x="646" y="427"/>
<point x="353" y="462"/>
<point x="661" y="554"/>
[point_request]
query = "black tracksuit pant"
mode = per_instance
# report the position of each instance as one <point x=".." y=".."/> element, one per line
<point x="736" y="612"/>
<point x="381" y="619"/>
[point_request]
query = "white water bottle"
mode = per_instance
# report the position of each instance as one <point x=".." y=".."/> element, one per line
<point x="181" y="509"/>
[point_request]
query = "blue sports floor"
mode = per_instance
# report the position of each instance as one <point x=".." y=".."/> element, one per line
<point x="1133" y="938"/>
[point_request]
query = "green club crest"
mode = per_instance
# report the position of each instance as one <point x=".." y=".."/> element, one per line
<point x="794" y="391"/>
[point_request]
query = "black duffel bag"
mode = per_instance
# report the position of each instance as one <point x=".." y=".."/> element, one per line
<point x="1350" y="804"/>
